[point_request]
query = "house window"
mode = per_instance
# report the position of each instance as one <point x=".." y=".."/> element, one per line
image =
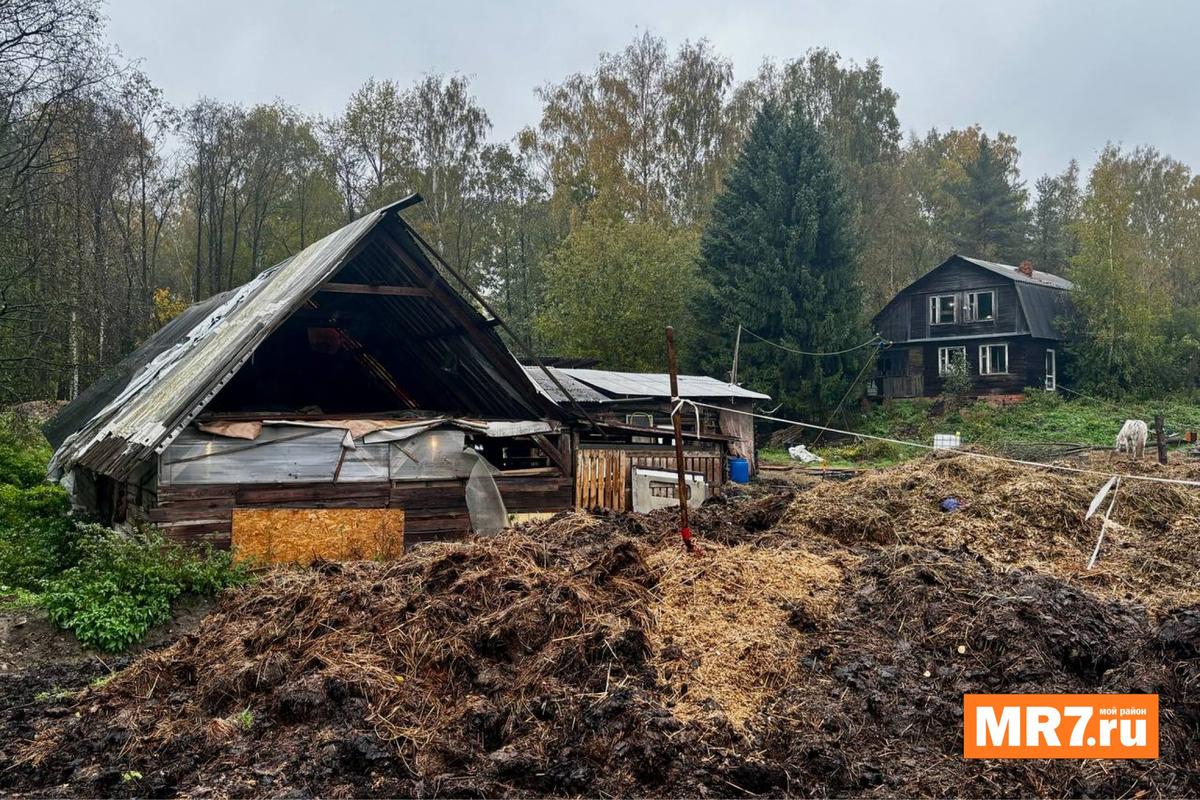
<point x="941" y="309"/>
<point x="949" y="356"/>
<point x="1051" y="371"/>
<point x="980" y="306"/>
<point x="993" y="359"/>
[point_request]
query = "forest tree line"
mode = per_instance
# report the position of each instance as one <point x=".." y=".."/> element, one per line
<point x="590" y="230"/>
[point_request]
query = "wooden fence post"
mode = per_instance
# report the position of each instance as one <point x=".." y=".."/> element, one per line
<point x="681" y="490"/>
<point x="1162" y="440"/>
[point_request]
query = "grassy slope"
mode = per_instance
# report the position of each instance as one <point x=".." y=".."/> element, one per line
<point x="1041" y="417"/>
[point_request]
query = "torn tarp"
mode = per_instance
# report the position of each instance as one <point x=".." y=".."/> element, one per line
<point x="381" y="430"/>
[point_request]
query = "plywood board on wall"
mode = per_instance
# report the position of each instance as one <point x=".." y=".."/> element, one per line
<point x="300" y="535"/>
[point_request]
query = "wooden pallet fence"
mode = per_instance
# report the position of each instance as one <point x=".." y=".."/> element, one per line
<point x="600" y="479"/>
<point x="602" y="474"/>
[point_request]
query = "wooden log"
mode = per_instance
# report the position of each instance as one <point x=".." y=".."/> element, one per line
<point x="369" y="288"/>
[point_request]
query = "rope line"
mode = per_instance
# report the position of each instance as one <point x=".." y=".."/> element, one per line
<point x="968" y="453"/>
<point x="857" y="378"/>
<point x="876" y="339"/>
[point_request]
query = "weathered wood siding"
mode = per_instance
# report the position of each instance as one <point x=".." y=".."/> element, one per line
<point x="433" y="510"/>
<point x="958" y="281"/>
<point x="906" y="317"/>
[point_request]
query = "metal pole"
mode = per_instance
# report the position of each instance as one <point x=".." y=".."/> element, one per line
<point x="681" y="491"/>
<point x="737" y="345"/>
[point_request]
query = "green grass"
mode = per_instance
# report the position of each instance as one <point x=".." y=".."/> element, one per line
<point x="16" y="598"/>
<point x="55" y="695"/>
<point x="1040" y="418"/>
<point x="866" y="453"/>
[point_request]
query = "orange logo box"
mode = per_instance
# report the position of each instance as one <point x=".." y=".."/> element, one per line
<point x="1060" y="726"/>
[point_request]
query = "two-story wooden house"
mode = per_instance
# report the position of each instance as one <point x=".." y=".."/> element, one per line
<point x="996" y="319"/>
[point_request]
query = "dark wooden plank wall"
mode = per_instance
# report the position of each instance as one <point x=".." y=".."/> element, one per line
<point x="1026" y="366"/>
<point x="893" y="322"/>
<point x="434" y="510"/>
<point x="1008" y="319"/>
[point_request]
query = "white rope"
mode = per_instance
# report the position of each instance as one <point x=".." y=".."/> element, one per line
<point x="984" y="456"/>
<point x="679" y="404"/>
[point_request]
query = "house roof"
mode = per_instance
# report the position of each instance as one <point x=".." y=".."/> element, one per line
<point x="1042" y="296"/>
<point x="599" y="385"/>
<point x="1038" y="278"/>
<point x="150" y="397"/>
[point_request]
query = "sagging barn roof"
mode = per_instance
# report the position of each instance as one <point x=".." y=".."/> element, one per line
<point x="417" y="340"/>
<point x="599" y="385"/>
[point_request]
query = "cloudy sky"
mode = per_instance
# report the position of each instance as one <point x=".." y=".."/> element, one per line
<point x="1064" y="77"/>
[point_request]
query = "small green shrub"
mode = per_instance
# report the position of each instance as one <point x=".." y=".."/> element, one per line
<point x="23" y="452"/>
<point x="123" y="586"/>
<point x="19" y="504"/>
<point x="957" y="381"/>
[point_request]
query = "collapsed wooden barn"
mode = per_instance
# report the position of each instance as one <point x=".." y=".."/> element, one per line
<point x="349" y="401"/>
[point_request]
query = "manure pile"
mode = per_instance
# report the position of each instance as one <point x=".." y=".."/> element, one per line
<point x="819" y="646"/>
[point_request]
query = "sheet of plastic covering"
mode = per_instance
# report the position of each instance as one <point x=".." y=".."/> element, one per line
<point x="280" y="454"/>
<point x="485" y="505"/>
<point x="489" y="428"/>
<point x="433" y="455"/>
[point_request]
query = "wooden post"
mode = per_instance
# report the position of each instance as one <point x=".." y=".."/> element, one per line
<point x="737" y="345"/>
<point x="681" y="491"/>
<point x="1162" y="440"/>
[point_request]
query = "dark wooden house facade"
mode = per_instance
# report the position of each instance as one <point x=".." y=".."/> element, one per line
<point x="997" y="321"/>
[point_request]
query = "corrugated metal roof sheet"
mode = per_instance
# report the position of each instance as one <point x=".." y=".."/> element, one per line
<point x="156" y="392"/>
<point x="1009" y="271"/>
<point x="95" y="397"/>
<point x="582" y="393"/>
<point x="651" y="384"/>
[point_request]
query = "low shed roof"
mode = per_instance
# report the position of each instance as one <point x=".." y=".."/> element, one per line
<point x="600" y="385"/>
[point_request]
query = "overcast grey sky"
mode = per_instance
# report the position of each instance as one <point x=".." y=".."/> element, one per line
<point x="1064" y="77"/>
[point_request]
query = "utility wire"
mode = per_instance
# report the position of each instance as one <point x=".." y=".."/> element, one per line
<point x="967" y="453"/>
<point x="876" y="339"/>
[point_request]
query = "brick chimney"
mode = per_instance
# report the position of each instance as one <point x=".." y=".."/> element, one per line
<point x="1026" y="268"/>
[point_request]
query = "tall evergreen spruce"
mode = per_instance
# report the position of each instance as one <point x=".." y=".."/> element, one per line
<point x="780" y="256"/>
<point x="992" y="220"/>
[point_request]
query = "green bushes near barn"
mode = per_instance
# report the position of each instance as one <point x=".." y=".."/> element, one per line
<point x="106" y="587"/>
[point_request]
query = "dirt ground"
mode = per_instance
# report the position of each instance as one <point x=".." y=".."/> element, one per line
<point x="43" y="670"/>
<point x="28" y="640"/>
<point x="819" y="646"/>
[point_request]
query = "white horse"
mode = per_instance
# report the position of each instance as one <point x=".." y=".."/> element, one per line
<point x="1132" y="438"/>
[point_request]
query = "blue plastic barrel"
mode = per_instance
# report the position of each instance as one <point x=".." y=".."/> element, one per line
<point x="739" y="470"/>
